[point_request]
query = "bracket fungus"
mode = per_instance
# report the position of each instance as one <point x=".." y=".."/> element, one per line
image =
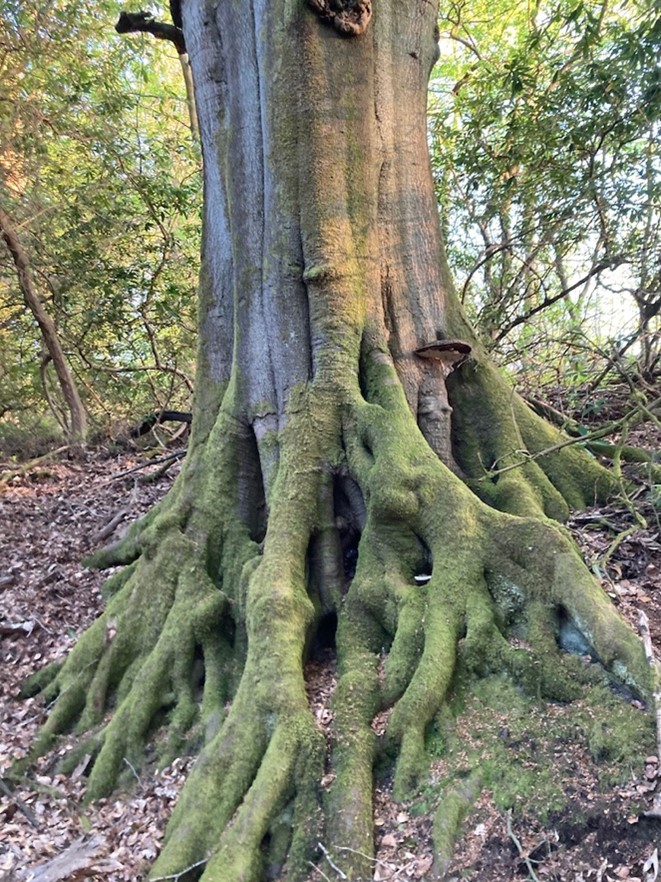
<point x="450" y="353"/>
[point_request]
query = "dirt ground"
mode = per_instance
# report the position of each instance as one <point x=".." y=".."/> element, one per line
<point x="57" y="512"/>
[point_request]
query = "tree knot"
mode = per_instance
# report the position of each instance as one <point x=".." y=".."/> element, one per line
<point x="349" y="17"/>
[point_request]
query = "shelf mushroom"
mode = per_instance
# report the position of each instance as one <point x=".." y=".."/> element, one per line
<point x="450" y="353"/>
<point x="434" y="412"/>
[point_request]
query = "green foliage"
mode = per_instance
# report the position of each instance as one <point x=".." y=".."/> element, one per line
<point x="101" y="179"/>
<point x="546" y="152"/>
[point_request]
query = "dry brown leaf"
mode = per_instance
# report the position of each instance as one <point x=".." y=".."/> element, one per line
<point x="423" y="866"/>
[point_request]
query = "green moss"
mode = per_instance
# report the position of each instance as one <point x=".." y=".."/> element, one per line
<point x="618" y="734"/>
<point x="38" y="681"/>
<point x="448" y="819"/>
<point x="524" y="751"/>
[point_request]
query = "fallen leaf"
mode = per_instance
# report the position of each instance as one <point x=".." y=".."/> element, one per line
<point x="651" y="866"/>
<point x="423" y="866"/>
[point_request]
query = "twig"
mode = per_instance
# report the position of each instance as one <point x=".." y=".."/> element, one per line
<point x="526" y="457"/>
<point x="619" y="539"/>
<point x="41" y="624"/>
<point x="359" y="853"/>
<point x="319" y="870"/>
<point x="524" y="857"/>
<point x="644" y="625"/>
<point x="646" y="637"/>
<point x="135" y="774"/>
<point x="177" y="876"/>
<point x="376" y="861"/>
<point x="640" y="522"/>
<point x="20" y="805"/>
<point x="330" y="861"/>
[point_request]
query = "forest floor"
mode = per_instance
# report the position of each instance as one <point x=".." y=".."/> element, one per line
<point x="54" y="514"/>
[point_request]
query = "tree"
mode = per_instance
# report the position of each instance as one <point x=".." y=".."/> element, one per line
<point x="77" y="424"/>
<point x="100" y="179"/>
<point x="546" y="151"/>
<point x="342" y="403"/>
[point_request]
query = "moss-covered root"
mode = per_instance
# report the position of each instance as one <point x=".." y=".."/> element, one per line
<point x="541" y="563"/>
<point x="448" y="820"/>
<point x="502" y="446"/>
<point x="129" y="547"/>
<point x="349" y="805"/>
<point x="141" y="655"/>
<point x="256" y="783"/>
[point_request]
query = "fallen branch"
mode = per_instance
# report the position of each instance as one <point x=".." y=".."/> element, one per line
<point x="25" y="628"/>
<point x="155" y="419"/>
<point x="644" y="625"/>
<point x="110" y="527"/>
<point x="20" y="805"/>
<point x="331" y="862"/>
<point x="6" y="477"/>
<point x="165" y="467"/>
<point x="176" y="454"/>
<point x="524" y="857"/>
<point x="71" y="863"/>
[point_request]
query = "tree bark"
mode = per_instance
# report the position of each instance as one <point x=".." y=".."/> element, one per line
<point x="77" y="428"/>
<point x="316" y="427"/>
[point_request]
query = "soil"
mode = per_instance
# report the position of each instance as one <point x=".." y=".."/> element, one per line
<point x="56" y="512"/>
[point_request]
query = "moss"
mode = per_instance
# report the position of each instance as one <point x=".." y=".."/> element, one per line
<point x="618" y="734"/>
<point x="38" y="681"/>
<point x="114" y="584"/>
<point x="448" y="819"/>
<point x="525" y="752"/>
<point x="494" y="430"/>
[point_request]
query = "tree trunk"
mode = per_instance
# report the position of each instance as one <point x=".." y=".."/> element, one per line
<point x="77" y="428"/>
<point x="317" y="429"/>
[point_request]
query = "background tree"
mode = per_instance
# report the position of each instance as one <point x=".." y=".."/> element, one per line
<point x="546" y="156"/>
<point x="76" y="425"/>
<point x="100" y="177"/>
<point x="342" y="404"/>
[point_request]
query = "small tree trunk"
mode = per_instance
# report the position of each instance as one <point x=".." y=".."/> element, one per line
<point x="190" y="96"/>
<point x="77" y="429"/>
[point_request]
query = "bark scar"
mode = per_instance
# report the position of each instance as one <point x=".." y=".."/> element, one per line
<point x="349" y="17"/>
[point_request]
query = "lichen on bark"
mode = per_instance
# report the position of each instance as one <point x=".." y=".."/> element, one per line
<point x="323" y="273"/>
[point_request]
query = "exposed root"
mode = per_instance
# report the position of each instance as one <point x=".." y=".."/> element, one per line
<point x="203" y="640"/>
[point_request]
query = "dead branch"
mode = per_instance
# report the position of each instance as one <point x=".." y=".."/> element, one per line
<point x="646" y="636"/>
<point x="20" y="805"/>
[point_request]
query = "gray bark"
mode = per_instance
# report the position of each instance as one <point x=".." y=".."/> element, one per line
<point x="320" y="221"/>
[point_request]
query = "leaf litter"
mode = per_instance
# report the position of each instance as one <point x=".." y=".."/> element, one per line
<point x="49" y="519"/>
